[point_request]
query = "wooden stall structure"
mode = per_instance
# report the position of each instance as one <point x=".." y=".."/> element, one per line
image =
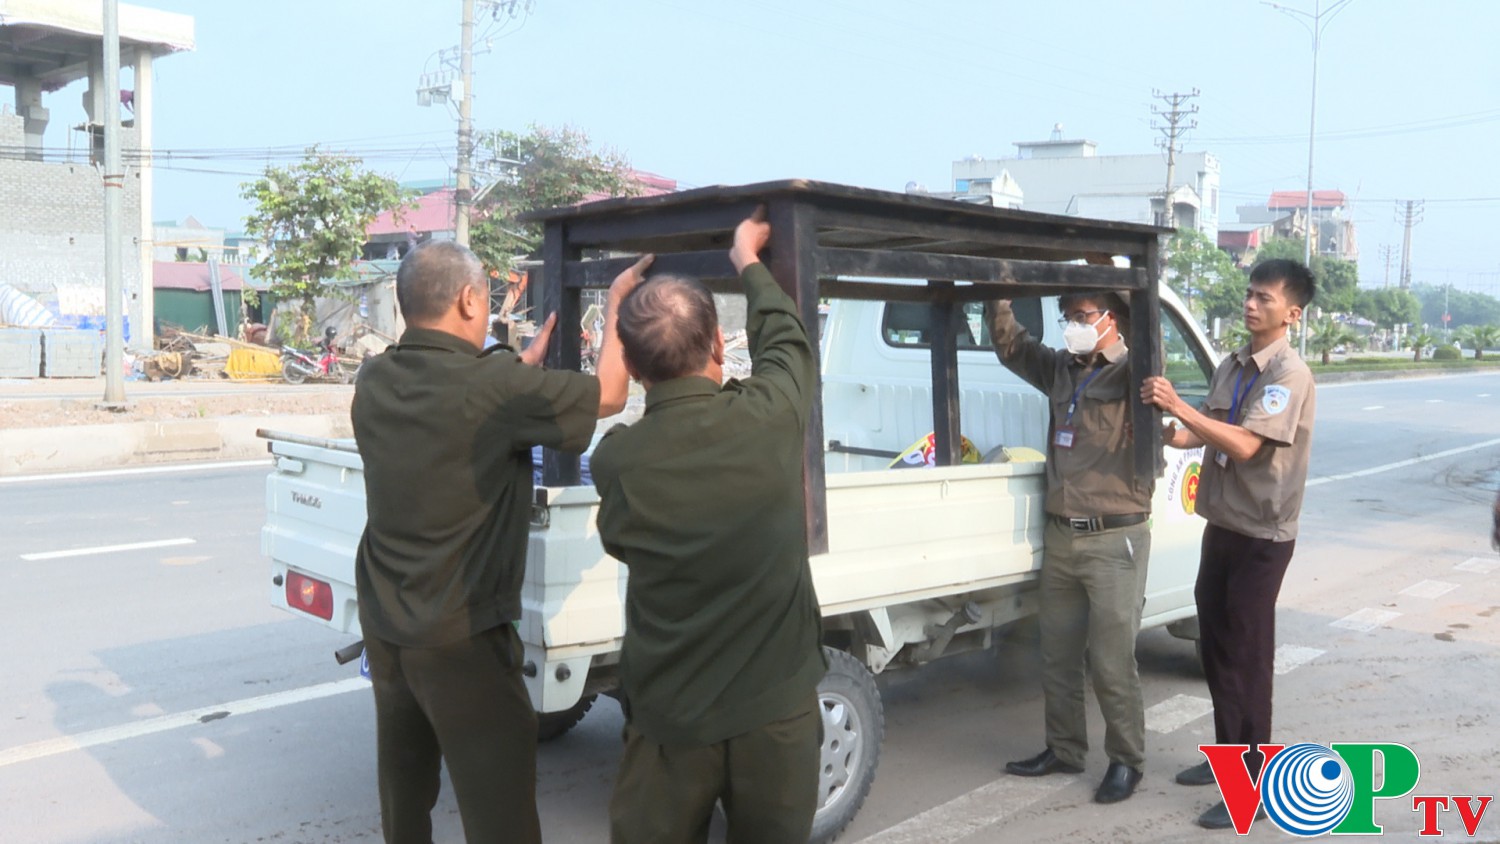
<point x="836" y="242"/>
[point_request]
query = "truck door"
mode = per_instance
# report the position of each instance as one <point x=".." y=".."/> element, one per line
<point x="1176" y="529"/>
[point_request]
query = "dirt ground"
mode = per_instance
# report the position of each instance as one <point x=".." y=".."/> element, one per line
<point x="43" y="404"/>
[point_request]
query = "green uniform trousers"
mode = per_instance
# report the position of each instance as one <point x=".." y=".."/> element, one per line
<point x="1091" y="592"/>
<point x="465" y="703"/>
<point x="767" y="780"/>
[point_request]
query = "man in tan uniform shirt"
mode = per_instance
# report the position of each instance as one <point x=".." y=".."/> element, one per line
<point x="1097" y="539"/>
<point x="1256" y="427"/>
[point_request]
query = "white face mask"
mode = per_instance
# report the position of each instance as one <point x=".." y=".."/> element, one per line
<point x="1081" y="338"/>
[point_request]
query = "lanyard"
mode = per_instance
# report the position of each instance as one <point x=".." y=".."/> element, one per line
<point x="1239" y="397"/>
<point x="1073" y="404"/>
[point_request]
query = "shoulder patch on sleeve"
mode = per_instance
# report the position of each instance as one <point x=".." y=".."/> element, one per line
<point x="1276" y="398"/>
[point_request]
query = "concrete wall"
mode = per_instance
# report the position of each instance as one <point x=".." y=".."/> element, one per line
<point x="52" y="225"/>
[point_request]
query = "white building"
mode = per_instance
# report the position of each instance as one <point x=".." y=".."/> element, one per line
<point x="1069" y="177"/>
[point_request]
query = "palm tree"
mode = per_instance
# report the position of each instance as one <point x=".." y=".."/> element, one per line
<point x="1479" y="338"/>
<point x="1418" y="342"/>
<point x="1329" y="334"/>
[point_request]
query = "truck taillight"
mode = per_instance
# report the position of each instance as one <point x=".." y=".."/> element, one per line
<point x="309" y="595"/>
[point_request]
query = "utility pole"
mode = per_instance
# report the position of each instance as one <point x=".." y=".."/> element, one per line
<point x="1412" y="216"/>
<point x="114" y="186"/>
<point x="1386" y="251"/>
<point x="1171" y="134"/>
<point x="463" y="190"/>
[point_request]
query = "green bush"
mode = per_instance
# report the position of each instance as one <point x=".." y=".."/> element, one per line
<point x="1447" y="353"/>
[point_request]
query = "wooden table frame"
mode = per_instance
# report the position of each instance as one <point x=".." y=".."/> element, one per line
<point x="833" y="241"/>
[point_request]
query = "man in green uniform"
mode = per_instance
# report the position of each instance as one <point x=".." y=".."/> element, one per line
<point x="1256" y="430"/>
<point x="446" y="433"/>
<point x="1097" y="538"/>
<point x="703" y="500"/>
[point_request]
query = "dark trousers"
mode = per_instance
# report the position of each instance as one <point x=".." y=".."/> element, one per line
<point x="767" y="780"/>
<point x="1239" y="578"/>
<point x="464" y="703"/>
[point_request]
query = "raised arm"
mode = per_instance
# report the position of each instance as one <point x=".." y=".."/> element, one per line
<point x="780" y="351"/>
<point x="1017" y="349"/>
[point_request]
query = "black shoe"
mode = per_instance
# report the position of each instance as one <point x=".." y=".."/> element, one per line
<point x="1119" y="783"/>
<point x="1217" y="817"/>
<point x="1040" y="765"/>
<point x="1200" y="774"/>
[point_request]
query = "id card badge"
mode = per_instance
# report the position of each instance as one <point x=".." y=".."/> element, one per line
<point x="1222" y="459"/>
<point x="1063" y="438"/>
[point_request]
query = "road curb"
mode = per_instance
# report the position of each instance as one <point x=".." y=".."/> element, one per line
<point x="66" y="448"/>
<point x="1395" y="374"/>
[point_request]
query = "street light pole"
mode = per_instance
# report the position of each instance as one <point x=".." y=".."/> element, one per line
<point x="1316" y="30"/>
<point x="114" y="186"/>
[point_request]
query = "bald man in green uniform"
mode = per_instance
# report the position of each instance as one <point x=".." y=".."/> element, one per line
<point x="446" y="432"/>
<point x="703" y="500"/>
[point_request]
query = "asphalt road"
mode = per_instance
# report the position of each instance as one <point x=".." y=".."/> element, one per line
<point x="151" y="694"/>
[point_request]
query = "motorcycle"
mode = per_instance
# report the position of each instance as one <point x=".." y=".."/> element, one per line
<point x="297" y="366"/>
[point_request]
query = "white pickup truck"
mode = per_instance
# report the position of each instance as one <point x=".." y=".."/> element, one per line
<point x="920" y="564"/>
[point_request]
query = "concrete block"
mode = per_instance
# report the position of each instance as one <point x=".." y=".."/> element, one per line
<point x="20" y="353"/>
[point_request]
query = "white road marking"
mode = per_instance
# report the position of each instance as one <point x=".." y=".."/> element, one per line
<point x="1375" y="470"/>
<point x="108" y="549"/>
<point x="1374" y="407"/>
<point x="110" y="735"/>
<point x="1176" y="712"/>
<point x="138" y="470"/>
<point x="1366" y="620"/>
<point x="1479" y="565"/>
<point x="1291" y="657"/>
<point x="978" y="810"/>
<point x="1429" y="589"/>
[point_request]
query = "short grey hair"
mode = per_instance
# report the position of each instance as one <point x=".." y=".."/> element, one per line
<point x="432" y="276"/>
<point x="667" y="327"/>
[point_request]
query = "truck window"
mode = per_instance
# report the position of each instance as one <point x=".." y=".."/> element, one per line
<point x="1185" y="364"/>
<point x="906" y="324"/>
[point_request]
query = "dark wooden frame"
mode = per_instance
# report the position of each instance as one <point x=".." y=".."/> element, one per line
<point x="824" y="234"/>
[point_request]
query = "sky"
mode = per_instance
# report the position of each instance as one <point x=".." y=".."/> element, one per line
<point x="874" y="93"/>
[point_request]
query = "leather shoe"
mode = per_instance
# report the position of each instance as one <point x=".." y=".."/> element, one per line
<point x="1119" y="783"/>
<point x="1200" y="774"/>
<point x="1040" y="765"/>
<point x="1217" y="816"/>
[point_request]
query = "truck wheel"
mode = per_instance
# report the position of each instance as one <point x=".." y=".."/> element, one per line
<point x="853" y="727"/>
<point x="550" y="725"/>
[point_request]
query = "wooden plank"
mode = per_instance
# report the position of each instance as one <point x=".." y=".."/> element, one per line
<point x="978" y="292"/>
<point x="560" y="469"/>
<point x="947" y="439"/>
<point x="605" y="232"/>
<point x="793" y="250"/>
<point x="1040" y="234"/>
<point x="889" y="263"/>
<point x="705" y="266"/>
<point x="1146" y="360"/>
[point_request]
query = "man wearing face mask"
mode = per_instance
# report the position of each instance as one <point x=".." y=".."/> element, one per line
<point x="1097" y="538"/>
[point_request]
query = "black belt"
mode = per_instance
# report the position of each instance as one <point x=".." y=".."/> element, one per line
<point x="1094" y="524"/>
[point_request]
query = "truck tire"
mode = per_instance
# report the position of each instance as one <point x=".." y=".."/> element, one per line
<point x="853" y="728"/>
<point x="550" y="725"/>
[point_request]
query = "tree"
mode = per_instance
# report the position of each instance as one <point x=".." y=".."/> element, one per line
<point x="1479" y="338"/>
<point x="1388" y="307"/>
<point x="312" y="218"/>
<point x="1329" y="334"/>
<point x="1196" y="266"/>
<point x="547" y="168"/>
<point x="1287" y="248"/>
<point x="1418" y="342"/>
<point x="1467" y="307"/>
